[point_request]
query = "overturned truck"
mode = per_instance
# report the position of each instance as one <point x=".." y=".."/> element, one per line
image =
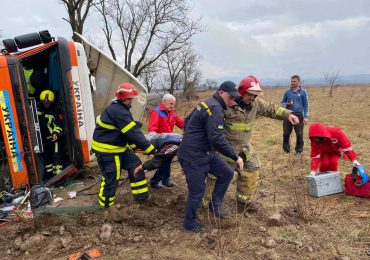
<point x="83" y="79"/>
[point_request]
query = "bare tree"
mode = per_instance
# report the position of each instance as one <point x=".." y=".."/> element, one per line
<point x="332" y="80"/>
<point x="191" y="75"/>
<point x="191" y="84"/>
<point x="150" y="77"/>
<point x="211" y="83"/>
<point x="105" y="10"/>
<point x="173" y="65"/>
<point x="78" y="11"/>
<point x="179" y="66"/>
<point x="149" y="29"/>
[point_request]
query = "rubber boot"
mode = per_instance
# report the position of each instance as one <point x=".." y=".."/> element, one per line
<point x="247" y="184"/>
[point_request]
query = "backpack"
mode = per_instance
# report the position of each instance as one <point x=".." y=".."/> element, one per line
<point x="40" y="196"/>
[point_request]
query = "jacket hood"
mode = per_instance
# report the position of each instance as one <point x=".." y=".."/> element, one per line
<point x="318" y="130"/>
<point x="161" y="106"/>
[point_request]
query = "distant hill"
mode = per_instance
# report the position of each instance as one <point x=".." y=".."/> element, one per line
<point x="345" y="79"/>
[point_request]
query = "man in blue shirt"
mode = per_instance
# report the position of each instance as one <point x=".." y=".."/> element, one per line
<point x="295" y="99"/>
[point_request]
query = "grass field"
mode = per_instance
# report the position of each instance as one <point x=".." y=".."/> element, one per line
<point x="327" y="227"/>
<point x="331" y="227"/>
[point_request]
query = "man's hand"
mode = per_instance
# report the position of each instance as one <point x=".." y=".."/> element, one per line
<point x="138" y="170"/>
<point x="356" y="163"/>
<point x="54" y="137"/>
<point x="293" y="119"/>
<point x="313" y="173"/>
<point x="305" y="121"/>
<point x="290" y="103"/>
<point x="240" y="163"/>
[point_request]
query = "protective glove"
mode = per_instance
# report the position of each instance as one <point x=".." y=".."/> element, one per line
<point x="313" y="173"/>
<point x="356" y="163"/>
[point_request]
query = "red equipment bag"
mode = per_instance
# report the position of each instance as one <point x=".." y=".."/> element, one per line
<point x="358" y="191"/>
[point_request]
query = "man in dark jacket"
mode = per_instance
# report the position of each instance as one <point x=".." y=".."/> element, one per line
<point x="197" y="154"/>
<point x="115" y="130"/>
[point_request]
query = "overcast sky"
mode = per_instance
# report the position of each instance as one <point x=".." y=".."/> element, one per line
<point x="266" y="38"/>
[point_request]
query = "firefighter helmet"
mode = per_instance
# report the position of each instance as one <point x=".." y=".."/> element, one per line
<point x="125" y="90"/>
<point x="251" y="85"/>
<point x="47" y="94"/>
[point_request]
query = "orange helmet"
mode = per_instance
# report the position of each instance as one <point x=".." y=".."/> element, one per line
<point x="251" y="85"/>
<point x="125" y="90"/>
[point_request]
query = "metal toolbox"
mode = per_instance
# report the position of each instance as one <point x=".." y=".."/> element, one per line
<point x="324" y="183"/>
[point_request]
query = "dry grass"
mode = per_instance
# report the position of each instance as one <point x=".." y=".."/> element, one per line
<point x="329" y="227"/>
<point x="313" y="228"/>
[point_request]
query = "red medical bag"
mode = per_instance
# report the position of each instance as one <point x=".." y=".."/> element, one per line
<point x="358" y="191"/>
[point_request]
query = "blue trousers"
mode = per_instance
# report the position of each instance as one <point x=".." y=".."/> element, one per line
<point x="195" y="178"/>
<point x="163" y="173"/>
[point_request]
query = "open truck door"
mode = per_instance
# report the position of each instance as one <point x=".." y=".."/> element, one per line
<point x="83" y="79"/>
<point x="46" y="63"/>
<point x="105" y="76"/>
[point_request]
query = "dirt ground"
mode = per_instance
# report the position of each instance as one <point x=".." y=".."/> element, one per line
<point x="331" y="227"/>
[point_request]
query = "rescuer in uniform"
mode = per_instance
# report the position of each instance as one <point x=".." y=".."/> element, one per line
<point x="50" y="121"/>
<point x="115" y="130"/>
<point x="203" y="136"/>
<point x="239" y="121"/>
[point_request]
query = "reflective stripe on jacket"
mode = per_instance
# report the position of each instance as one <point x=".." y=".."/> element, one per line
<point x="49" y="120"/>
<point x="336" y="143"/>
<point x="115" y="129"/>
<point x="204" y="133"/>
<point x="239" y="122"/>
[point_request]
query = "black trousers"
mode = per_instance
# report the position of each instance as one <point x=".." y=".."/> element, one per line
<point x="110" y="166"/>
<point x="195" y="178"/>
<point x="287" y="131"/>
<point x="52" y="158"/>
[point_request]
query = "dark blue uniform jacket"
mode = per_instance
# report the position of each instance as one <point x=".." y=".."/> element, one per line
<point x="116" y="129"/>
<point x="203" y="133"/>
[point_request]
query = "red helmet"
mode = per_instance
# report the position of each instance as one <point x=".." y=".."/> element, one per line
<point x="251" y="85"/>
<point x="125" y="90"/>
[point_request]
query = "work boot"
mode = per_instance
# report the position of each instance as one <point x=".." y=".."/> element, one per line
<point x="196" y="228"/>
<point x="168" y="183"/>
<point x="156" y="185"/>
<point x="219" y="213"/>
<point x="142" y="197"/>
<point x="298" y="154"/>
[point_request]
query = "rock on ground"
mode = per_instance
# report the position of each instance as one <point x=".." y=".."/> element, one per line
<point x="275" y="219"/>
<point x="31" y="242"/>
<point x="106" y="231"/>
